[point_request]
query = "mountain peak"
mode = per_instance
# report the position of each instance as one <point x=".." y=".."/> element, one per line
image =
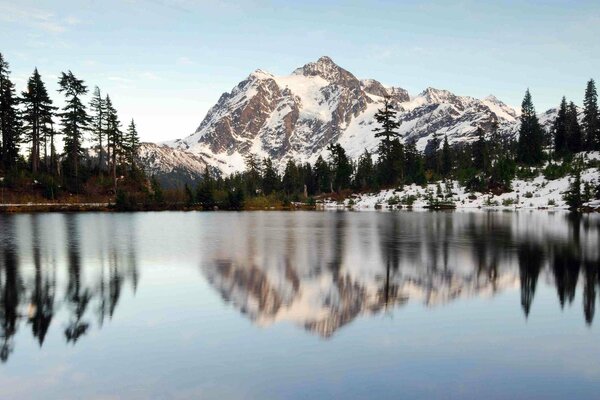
<point x="327" y="69"/>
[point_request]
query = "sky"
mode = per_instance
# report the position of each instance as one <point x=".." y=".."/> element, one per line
<point x="166" y="62"/>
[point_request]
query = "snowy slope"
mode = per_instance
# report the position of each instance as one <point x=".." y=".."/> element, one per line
<point x="298" y="115"/>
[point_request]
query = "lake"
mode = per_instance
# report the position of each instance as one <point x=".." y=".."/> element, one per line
<point x="299" y="305"/>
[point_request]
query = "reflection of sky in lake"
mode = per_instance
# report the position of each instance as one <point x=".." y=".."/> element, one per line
<point x="299" y="305"/>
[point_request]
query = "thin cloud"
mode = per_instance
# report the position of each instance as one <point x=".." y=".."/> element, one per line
<point x="33" y="17"/>
<point x="149" y="76"/>
<point x="184" y="61"/>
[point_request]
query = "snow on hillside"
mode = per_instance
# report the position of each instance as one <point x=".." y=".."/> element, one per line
<point x="526" y="194"/>
<point x="298" y="115"/>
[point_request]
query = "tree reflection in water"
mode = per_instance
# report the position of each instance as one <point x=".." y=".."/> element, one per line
<point x="432" y="257"/>
<point x="318" y="270"/>
<point x="33" y="300"/>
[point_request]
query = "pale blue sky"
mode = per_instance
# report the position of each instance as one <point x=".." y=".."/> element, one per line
<point x="165" y="62"/>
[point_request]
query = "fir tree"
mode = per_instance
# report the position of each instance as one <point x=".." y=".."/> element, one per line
<point x="591" y="117"/>
<point x="253" y="173"/>
<point x="481" y="152"/>
<point x="10" y="123"/>
<point x="364" y="177"/>
<point x="132" y="144"/>
<point x="341" y="167"/>
<point x="390" y="152"/>
<point x="573" y="196"/>
<point x="574" y="137"/>
<point x="561" y="147"/>
<point x="446" y="158"/>
<point x="323" y="176"/>
<point x="413" y="164"/>
<point x="98" y="122"/>
<point x="204" y="191"/>
<point x="291" y="178"/>
<point x="75" y="119"/>
<point x="386" y="118"/>
<point x="432" y="159"/>
<point x="114" y="136"/>
<point x="37" y="114"/>
<point x="270" y="178"/>
<point x="531" y="135"/>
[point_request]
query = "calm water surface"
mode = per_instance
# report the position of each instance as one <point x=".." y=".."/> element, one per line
<point x="299" y="305"/>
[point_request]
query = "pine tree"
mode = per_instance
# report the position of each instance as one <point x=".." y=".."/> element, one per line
<point x="37" y="114"/>
<point x="341" y="167"/>
<point x="323" y="175"/>
<point x="10" y="123"/>
<point x="204" y="191"/>
<point x="480" y="152"/>
<point x="291" y="178"/>
<point x="75" y="120"/>
<point x="446" y="158"/>
<point x="561" y="147"/>
<point x="114" y="137"/>
<point x="252" y="174"/>
<point x="531" y="135"/>
<point x="574" y="137"/>
<point x="390" y="151"/>
<point x="364" y="177"/>
<point x="432" y="159"/>
<point x="573" y="196"/>
<point x="270" y="178"/>
<point x="591" y="117"/>
<point x="98" y="122"/>
<point x="413" y="164"/>
<point x="132" y="144"/>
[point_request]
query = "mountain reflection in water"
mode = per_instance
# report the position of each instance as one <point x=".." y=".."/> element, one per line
<point x="324" y="275"/>
<point x="317" y="270"/>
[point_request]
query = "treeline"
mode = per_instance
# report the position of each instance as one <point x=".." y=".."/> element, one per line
<point x="31" y="122"/>
<point x="488" y="163"/>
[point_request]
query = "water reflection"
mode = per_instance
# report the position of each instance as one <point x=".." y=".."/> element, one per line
<point x="348" y="264"/>
<point x="31" y="288"/>
<point x="66" y="273"/>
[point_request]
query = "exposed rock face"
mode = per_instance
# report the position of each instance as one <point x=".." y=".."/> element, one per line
<point x="297" y="116"/>
<point x="172" y="167"/>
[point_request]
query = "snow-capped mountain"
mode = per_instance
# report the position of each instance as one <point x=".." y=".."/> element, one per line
<point x="298" y="115"/>
<point x="172" y="167"/>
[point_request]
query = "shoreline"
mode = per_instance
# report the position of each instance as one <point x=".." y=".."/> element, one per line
<point x="18" y="208"/>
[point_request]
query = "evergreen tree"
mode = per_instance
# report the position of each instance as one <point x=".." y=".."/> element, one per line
<point x="37" y="114"/>
<point x="204" y="191"/>
<point x="364" y="177"/>
<point x="413" y="164"/>
<point x="253" y="174"/>
<point x="591" y="117"/>
<point x="270" y="178"/>
<point x="386" y="118"/>
<point x="446" y="158"/>
<point x="323" y="176"/>
<point x="291" y="178"/>
<point x="531" y="135"/>
<point x="480" y="152"/>
<point x="432" y="159"/>
<point x="574" y="137"/>
<point x="114" y="136"/>
<point x="75" y="120"/>
<point x="98" y="122"/>
<point x="561" y="147"/>
<point x="132" y="144"/>
<point x="341" y="167"/>
<point x="573" y="196"/>
<point x="10" y="124"/>
<point x="390" y="151"/>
